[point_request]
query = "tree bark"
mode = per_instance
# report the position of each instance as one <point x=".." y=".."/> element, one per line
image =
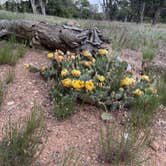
<point x="40" y="34"/>
<point x="33" y="5"/>
<point x="142" y="12"/>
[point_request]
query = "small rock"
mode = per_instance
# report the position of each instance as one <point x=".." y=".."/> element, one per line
<point x="10" y="103"/>
<point x="155" y="146"/>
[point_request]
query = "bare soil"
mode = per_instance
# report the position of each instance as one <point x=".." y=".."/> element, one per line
<point x="80" y="131"/>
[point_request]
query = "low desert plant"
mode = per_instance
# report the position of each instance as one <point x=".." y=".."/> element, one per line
<point x="143" y="110"/>
<point x="21" y="143"/>
<point x="122" y="146"/>
<point x="9" y="77"/>
<point x="149" y="53"/>
<point x="8" y="55"/>
<point x="65" y="108"/>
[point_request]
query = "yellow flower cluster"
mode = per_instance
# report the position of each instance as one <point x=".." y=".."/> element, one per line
<point x="89" y="85"/>
<point x="145" y="77"/>
<point x="86" y="53"/>
<point x="77" y="84"/>
<point x="64" y="72"/>
<point x="103" y="52"/>
<point x="27" y="66"/>
<point x="101" y="78"/>
<point x="50" y="55"/>
<point x="127" y="81"/>
<point x="76" y="73"/>
<point x="138" y="92"/>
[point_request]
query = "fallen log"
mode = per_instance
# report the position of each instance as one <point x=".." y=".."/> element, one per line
<point x="41" y="34"/>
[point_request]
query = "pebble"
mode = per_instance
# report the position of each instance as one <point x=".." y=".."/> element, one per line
<point x="155" y="146"/>
<point x="10" y="103"/>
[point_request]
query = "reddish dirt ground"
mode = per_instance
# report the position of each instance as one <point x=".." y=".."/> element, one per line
<point x="80" y="131"/>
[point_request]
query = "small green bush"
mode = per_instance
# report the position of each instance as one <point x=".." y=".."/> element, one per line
<point x="9" y="77"/>
<point x="65" y="108"/>
<point x="149" y="53"/>
<point x="143" y="110"/>
<point x="21" y="143"/>
<point x="8" y="56"/>
<point x="121" y="145"/>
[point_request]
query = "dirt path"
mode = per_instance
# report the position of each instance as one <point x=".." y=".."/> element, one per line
<point x="26" y="89"/>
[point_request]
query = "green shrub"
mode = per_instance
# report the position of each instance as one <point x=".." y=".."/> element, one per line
<point x="9" y="77"/>
<point x="8" y="55"/>
<point x="21" y="143"/>
<point x="143" y="110"/>
<point x="149" y="53"/>
<point x="122" y="145"/>
<point x="65" y="108"/>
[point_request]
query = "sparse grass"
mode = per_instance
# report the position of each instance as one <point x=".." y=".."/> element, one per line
<point x="69" y="158"/>
<point x="9" y="77"/>
<point x="21" y="143"/>
<point x="10" y="56"/>
<point x="143" y="110"/>
<point x="1" y="93"/>
<point x="149" y="53"/>
<point x="65" y="108"/>
<point x="162" y="88"/>
<point x="122" y="146"/>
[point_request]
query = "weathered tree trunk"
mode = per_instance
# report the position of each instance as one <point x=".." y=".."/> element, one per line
<point x="33" y="5"/>
<point x="43" y="6"/>
<point x="142" y="12"/>
<point x="40" y="34"/>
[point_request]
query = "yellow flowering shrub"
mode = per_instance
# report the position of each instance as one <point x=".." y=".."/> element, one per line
<point x="76" y="73"/>
<point x="96" y="78"/>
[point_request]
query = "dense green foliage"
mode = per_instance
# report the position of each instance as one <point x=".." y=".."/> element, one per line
<point x="123" y="10"/>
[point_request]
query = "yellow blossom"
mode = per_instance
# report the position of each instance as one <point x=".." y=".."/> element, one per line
<point x="86" y="53"/>
<point x="127" y="81"/>
<point x="76" y="73"/>
<point x="145" y="77"/>
<point x="44" y="68"/>
<point x="138" y="92"/>
<point x="93" y="60"/>
<point x="89" y="85"/>
<point x="101" y="78"/>
<point x="103" y="52"/>
<point x="64" y="72"/>
<point x="67" y="82"/>
<point x="50" y="55"/>
<point x="27" y="66"/>
<point x="77" y="84"/>
<point x="60" y="58"/>
<point x="60" y="52"/>
<point x="87" y="63"/>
